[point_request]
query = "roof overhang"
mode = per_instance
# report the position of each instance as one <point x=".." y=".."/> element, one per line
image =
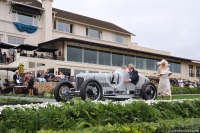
<point x="26" y="8"/>
<point x="109" y="47"/>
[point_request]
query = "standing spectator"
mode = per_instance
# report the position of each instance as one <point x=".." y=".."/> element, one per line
<point x="1" y="56"/>
<point x="164" y="84"/>
<point x="30" y="85"/>
<point x="4" y="57"/>
<point x="198" y="86"/>
<point x="16" y="78"/>
<point x="26" y="79"/>
<point x="0" y="86"/>
<point x="8" y="57"/>
<point x="180" y="82"/>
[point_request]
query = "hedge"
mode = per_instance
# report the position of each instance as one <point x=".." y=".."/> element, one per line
<point x="185" y="90"/>
<point x="163" y="126"/>
<point x="78" y="114"/>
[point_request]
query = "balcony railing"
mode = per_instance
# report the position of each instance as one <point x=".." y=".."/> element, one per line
<point x="12" y="58"/>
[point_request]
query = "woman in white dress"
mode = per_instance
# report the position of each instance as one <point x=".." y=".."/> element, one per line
<point x="164" y="87"/>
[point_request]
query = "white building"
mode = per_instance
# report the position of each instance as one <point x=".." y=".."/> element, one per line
<point x="84" y="44"/>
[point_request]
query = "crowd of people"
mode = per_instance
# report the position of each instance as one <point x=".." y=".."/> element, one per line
<point x="49" y="76"/>
<point x="7" y="57"/>
<point x="29" y="78"/>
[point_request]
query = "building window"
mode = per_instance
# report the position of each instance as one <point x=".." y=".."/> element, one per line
<point x="157" y="65"/>
<point x="191" y="71"/>
<point x="90" y="56"/>
<point x="104" y="58"/>
<point x="177" y="68"/>
<point x="93" y="33"/>
<point x="117" y="59"/>
<point x="16" y="40"/>
<point x="140" y="63"/>
<point x="150" y="64"/>
<point x="197" y="71"/>
<point x="93" y="72"/>
<point x="1" y="38"/>
<point x="24" y="18"/>
<point x="74" y="54"/>
<point x="129" y="59"/>
<point x="63" y="26"/>
<point x="119" y="38"/>
<point x="78" y="71"/>
<point x="31" y="64"/>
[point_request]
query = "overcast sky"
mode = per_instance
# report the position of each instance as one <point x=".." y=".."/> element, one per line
<point x="169" y="25"/>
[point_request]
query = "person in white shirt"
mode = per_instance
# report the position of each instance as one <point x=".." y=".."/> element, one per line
<point x="42" y="79"/>
<point x="180" y="82"/>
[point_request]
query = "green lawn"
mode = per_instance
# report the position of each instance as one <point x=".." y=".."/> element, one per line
<point x="181" y="96"/>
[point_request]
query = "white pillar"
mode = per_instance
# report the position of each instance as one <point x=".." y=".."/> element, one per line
<point x="47" y="19"/>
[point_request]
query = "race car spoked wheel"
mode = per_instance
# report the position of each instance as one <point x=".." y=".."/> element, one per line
<point x="62" y="91"/>
<point x="149" y="91"/>
<point x="91" y="89"/>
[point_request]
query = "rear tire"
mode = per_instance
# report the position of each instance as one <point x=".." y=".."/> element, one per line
<point x="91" y="89"/>
<point x="149" y="91"/>
<point x="60" y="87"/>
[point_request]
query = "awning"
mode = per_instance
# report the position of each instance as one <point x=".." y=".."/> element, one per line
<point x="8" y="68"/>
<point x="26" y="47"/>
<point x="45" y="44"/>
<point x="46" y="49"/>
<point x="5" y="46"/>
<point x="26" y="9"/>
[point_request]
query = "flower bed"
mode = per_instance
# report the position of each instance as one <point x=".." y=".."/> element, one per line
<point x="78" y="115"/>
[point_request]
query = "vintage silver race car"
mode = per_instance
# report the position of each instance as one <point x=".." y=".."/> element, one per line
<point x="96" y="86"/>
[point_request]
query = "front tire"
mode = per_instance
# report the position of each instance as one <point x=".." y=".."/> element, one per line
<point x="91" y="89"/>
<point x="149" y="91"/>
<point x="61" y="91"/>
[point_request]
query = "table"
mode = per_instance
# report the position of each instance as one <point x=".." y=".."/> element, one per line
<point x="19" y="89"/>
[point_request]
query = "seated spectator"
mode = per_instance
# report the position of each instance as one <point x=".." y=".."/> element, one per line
<point x="60" y="77"/>
<point x="42" y="79"/>
<point x="46" y="76"/>
<point x="42" y="56"/>
<point x="72" y="79"/>
<point x="22" y="53"/>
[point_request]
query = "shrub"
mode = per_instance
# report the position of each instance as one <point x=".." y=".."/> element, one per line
<point x="78" y="115"/>
<point x="184" y="90"/>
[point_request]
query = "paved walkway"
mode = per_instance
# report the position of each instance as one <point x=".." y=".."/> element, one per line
<point x="30" y="98"/>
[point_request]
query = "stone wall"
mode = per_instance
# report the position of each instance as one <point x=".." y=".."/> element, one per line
<point x="46" y="86"/>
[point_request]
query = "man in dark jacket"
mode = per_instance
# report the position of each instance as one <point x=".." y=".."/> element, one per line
<point x="16" y="78"/>
<point x="134" y="77"/>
